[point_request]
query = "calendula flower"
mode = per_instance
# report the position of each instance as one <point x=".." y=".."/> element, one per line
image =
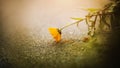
<point x="56" y="33"/>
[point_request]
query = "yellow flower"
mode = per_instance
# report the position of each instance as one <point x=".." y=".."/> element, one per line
<point x="56" y="33"/>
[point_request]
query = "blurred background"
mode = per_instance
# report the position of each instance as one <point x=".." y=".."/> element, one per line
<point x="35" y="16"/>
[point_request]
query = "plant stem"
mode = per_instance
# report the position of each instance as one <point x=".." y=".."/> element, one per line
<point x="70" y="24"/>
<point x="84" y="19"/>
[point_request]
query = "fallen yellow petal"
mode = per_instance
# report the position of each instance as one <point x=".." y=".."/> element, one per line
<point x="56" y="33"/>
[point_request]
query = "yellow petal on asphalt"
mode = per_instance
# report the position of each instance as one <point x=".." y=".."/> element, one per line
<point x="55" y="32"/>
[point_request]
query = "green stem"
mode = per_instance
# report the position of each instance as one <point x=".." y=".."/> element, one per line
<point x="70" y="24"/>
<point x="81" y="20"/>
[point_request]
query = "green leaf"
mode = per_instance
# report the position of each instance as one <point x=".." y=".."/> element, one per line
<point x="76" y="18"/>
<point x="92" y="9"/>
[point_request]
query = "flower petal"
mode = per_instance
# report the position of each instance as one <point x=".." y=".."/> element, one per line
<point x="56" y="33"/>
